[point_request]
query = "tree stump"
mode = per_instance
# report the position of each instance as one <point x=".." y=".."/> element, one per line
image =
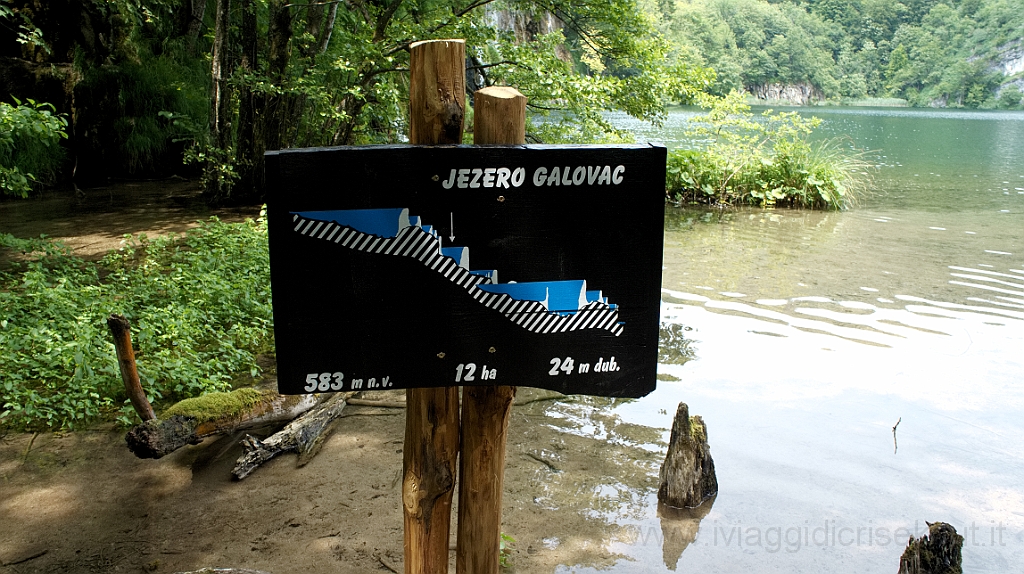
<point x="688" y="474"/>
<point x="937" y="552"/>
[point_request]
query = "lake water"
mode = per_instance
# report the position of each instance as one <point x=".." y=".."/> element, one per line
<point x="816" y="333"/>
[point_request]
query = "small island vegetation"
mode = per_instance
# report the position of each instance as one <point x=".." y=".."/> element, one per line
<point x="739" y="159"/>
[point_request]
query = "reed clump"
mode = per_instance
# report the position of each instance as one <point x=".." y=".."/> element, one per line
<point x="767" y="161"/>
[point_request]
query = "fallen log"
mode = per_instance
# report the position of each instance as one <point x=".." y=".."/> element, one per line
<point x="305" y="435"/>
<point x="192" y="420"/>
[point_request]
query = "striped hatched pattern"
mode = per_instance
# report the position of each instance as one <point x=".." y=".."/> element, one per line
<point x="416" y="243"/>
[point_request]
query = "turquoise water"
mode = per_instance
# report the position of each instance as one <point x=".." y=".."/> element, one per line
<point x="817" y="333"/>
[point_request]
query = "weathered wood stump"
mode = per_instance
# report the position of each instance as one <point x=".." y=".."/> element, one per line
<point x="937" y="552"/>
<point x="688" y="474"/>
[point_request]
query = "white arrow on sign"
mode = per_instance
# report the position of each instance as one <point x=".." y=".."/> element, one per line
<point x="451" y="227"/>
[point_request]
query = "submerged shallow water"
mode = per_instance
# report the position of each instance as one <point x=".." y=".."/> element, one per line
<point x="816" y="334"/>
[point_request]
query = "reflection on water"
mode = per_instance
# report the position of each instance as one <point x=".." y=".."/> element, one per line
<point x="813" y="333"/>
<point x="674" y="347"/>
<point x="679" y="527"/>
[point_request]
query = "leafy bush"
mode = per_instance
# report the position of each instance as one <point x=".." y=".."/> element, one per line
<point x="29" y="145"/>
<point x="1011" y="98"/>
<point x="119" y="123"/>
<point x="767" y="162"/>
<point x="199" y="305"/>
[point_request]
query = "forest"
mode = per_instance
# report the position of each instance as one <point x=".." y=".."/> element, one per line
<point x="145" y="84"/>
<point x="940" y="53"/>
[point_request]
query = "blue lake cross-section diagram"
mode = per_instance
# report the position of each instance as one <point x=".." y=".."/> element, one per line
<point x="538" y="306"/>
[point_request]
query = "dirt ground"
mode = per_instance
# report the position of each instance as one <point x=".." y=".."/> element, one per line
<point x="96" y="220"/>
<point x="81" y="502"/>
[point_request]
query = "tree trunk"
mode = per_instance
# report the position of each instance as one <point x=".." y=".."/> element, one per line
<point x="195" y="23"/>
<point x="437" y="92"/>
<point x="279" y="35"/>
<point x="938" y="552"/>
<point x="688" y="473"/>
<point x="120" y="329"/>
<point x="250" y="113"/>
<point x="220" y="100"/>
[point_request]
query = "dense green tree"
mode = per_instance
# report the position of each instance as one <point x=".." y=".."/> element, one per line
<point x="230" y="79"/>
<point x="929" y="52"/>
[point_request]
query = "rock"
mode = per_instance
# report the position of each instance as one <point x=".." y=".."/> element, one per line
<point x="688" y="474"/>
<point x="799" y="94"/>
<point x="937" y="552"/>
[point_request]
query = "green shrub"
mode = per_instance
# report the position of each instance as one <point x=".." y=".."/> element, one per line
<point x="200" y="310"/>
<point x="1010" y="98"/>
<point x="124" y="111"/>
<point x="768" y="162"/>
<point x="30" y="151"/>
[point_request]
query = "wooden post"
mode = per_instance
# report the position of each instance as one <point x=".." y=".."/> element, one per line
<point x="436" y="110"/>
<point x="500" y="116"/>
<point x="437" y="91"/>
<point x="121" y="330"/>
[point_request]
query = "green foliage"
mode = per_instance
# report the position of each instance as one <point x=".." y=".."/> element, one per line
<point x="752" y="43"/>
<point x="126" y="106"/>
<point x="30" y="151"/>
<point x="26" y="34"/>
<point x="766" y="161"/>
<point x="945" y="53"/>
<point x="505" y="550"/>
<point x="1011" y="98"/>
<point x="606" y="57"/>
<point x="199" y="305"/>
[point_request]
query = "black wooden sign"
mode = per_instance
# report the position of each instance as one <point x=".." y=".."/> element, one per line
<point x="424" y="266"/>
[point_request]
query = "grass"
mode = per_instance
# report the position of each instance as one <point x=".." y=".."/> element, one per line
<point x="200" y="310"/>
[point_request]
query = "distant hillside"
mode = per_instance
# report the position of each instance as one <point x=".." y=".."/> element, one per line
<point x="956" y="53"/>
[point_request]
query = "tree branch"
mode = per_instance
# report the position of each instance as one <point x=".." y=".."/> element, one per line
<point x="472" y="6"/>
<point x="373" y="73"/>
<point x="501" y="63"/>
<point x="385" y="20"/>
<point x="311" y="4"/>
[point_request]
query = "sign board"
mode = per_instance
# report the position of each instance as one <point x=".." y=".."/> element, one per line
<point x="426" y="266"/>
